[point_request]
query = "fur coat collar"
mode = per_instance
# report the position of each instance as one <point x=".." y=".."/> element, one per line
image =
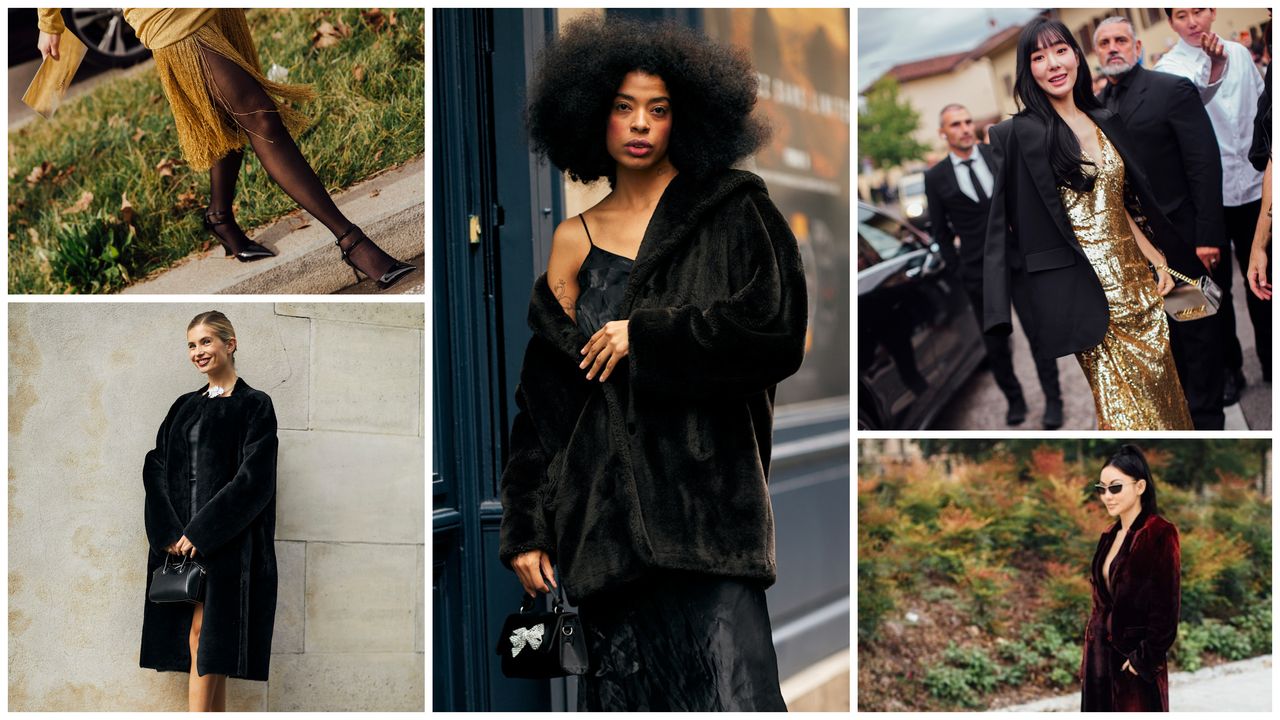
<point x="665" y="465"/>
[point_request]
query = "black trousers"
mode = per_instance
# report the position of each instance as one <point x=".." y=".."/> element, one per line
<point x="1240" y="222"/>
<point x="1196" y="353"/>
<point x="1000" y="357"/>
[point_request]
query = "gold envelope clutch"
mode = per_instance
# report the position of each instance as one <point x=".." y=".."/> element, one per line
<point x="49" y="86"/>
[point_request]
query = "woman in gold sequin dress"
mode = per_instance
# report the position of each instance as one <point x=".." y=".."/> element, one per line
<point x="1069" y="234"/>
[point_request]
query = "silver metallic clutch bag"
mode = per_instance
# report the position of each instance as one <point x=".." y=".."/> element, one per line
<point x="1192" y="299"/>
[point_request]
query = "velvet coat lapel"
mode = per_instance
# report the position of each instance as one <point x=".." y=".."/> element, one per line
<point x="665" y="465"/>
<point x="1135" y="620"/>
<point x="231" y="522"/>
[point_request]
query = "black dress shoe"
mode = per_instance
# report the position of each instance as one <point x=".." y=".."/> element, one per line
<point x="244" y="250"/>
<point x="1017" y="412"/>
<point x="1232" y="383"/>
<point x="389" y="277"/>
<point x="1052" y="414"/>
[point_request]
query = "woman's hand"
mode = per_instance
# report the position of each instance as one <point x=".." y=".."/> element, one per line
<point x="1257" y="274"/>
<point x="1128" y="668"/>
<point x="534" y="569"/>
<point x="609" y="345"/>
<point x="182" y="547"/>
<point x="48" y="45"/>
<point x="1164" y="282"/>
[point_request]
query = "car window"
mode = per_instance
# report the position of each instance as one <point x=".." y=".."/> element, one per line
<point x="915" y="187"/>
<point x="881" y="238"/>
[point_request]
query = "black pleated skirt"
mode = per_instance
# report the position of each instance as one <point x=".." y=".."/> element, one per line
<point x="680" y="641"/>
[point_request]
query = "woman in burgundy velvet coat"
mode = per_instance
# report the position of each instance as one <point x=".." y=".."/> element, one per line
<point x="1136" y="595"/>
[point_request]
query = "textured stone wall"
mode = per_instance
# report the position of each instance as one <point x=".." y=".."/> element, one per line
<point x="89" y="385"/>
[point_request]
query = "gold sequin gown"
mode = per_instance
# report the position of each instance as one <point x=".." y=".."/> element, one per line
<point x="1134" y="381"/>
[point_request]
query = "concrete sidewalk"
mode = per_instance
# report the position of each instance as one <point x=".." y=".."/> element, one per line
<point x="389" y="207"/>
<point x="1243" y="686"/>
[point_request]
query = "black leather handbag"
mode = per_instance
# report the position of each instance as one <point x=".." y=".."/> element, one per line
<point x="178" y="582"/>
<point x="542" y="644"/>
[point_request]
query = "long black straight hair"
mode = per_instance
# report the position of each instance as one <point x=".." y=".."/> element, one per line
<point x="1061" y="145"/>
<point x="1130" y="461"/>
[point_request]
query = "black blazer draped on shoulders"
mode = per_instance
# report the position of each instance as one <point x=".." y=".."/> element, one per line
<point x="1032" y="251"/>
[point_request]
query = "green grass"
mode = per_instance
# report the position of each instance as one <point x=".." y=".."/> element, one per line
<point x="358" y="128"/>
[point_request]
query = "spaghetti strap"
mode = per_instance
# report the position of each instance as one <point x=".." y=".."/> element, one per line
<point x="584" y="227"/>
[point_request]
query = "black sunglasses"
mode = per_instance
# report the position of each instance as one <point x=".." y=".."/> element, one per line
<point x="1104" y="489"/>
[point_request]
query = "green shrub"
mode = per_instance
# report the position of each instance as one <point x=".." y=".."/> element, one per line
<point x="964" y="675"/>
<point x="950" y="685"/>
<point x="874" y="600"/>
<point x="1190" y="646"/>
<point x="91" y="253"/>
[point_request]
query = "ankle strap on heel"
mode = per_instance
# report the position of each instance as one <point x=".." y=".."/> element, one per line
<point x="346" y="252"/>
<point x="219" y="217"/>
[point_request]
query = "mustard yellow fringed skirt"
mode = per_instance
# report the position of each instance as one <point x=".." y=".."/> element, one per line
<point x="208" y="128"/>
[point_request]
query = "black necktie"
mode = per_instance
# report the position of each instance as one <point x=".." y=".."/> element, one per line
<point x="973" y="178"/>
<point x="1113" y="97"/>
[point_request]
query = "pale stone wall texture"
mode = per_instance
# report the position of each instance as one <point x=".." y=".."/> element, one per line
<point x="89" y="385"/>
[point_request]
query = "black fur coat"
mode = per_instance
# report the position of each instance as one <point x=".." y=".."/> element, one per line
<point x="231" y="520"/>
<point x="665" y="465"/>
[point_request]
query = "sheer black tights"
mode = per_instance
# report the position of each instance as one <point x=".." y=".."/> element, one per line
<point x="255" y="112"/>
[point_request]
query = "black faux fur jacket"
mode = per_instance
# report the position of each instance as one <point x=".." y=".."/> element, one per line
<point x="231" y="520"/>
<point x="665" y="465"/>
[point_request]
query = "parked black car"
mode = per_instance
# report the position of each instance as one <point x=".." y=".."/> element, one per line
<point x="108" y="39"/>
<point x="918" y="341"/>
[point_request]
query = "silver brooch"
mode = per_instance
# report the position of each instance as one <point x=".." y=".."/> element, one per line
<point x="531" y="636"/>
<point x="213" y="392"/>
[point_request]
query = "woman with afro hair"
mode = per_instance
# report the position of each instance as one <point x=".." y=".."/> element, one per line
<point x="638" y="461"/>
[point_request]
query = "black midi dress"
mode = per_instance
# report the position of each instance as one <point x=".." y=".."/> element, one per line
<point x="669" y="640"/>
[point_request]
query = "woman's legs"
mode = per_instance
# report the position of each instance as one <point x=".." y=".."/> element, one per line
<point x="210" y="691"/>
<point x="255" y="111"/>
<point x="219" y="218"/>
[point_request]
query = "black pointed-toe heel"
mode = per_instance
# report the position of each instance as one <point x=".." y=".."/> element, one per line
<point x="250" y="252"/>
<point x="393" y="274"/>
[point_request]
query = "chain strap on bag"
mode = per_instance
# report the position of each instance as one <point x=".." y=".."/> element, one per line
<point x="1191" y="299"/>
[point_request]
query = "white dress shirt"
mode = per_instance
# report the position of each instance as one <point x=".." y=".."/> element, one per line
<point x="983" y="172"/>
<point x="1231" y="103"/>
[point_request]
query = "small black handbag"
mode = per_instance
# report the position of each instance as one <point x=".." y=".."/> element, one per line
<point x="542" y="644"/>
<point x="177" y="583"/>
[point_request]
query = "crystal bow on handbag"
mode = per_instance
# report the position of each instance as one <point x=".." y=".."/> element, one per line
<point x="542" y="644"/>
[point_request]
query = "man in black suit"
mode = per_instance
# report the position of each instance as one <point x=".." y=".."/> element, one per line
<point x="958" y="190"/>
<point x="1174" y="142"/>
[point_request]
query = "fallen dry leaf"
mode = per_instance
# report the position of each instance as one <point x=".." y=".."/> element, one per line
<point x="165" y="167"/>
<point x="139" y="134"/>
<point x="126" y="209"/>
<point x="357" y="72"/>
<point x="64" y="175"/>
<point x="375" y="193"/>
<point x="33" y="235"/>
<point x="378" y="155"/>
<point x="116" y="121"/>
<point x="39" y="172"/>
<point x="186" y="201"/>
<point x="374" y="18"/>
<point x="86" y="198"/>
<point x="329" y="35"/>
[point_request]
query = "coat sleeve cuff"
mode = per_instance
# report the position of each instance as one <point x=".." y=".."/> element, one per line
<point x="50" y="21"/>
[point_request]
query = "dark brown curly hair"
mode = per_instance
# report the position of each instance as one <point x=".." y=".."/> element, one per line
<point x="712" y="89"/>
